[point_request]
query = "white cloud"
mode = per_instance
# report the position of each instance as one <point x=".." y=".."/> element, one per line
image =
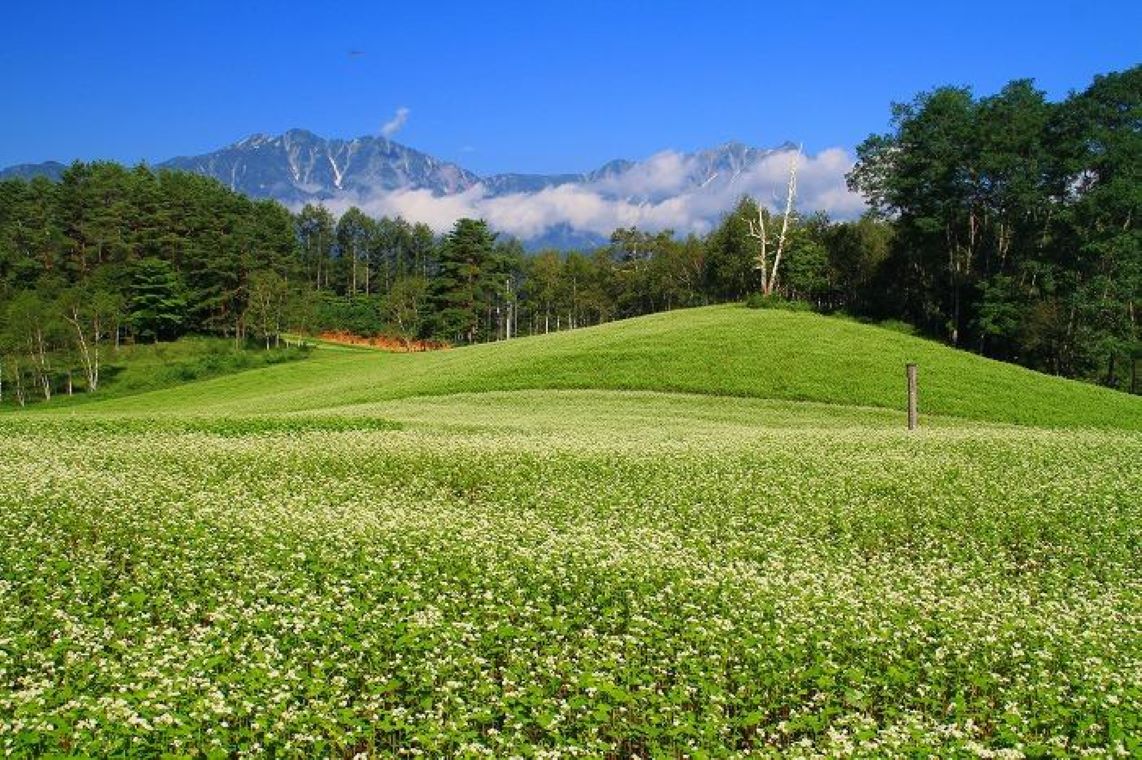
<point x="667" y="191"/>
<point x="393" y="125"/>
<point x="416" y="205"/>
<point x="664" y="172"/>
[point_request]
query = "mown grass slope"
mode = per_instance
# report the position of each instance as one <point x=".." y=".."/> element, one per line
<point x="720" y="350"/>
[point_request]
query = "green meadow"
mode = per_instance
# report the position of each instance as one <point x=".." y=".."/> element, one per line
<point x="724" y="351"/>
<point x="704" y="533"/>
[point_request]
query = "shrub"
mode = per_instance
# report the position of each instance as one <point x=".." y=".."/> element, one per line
<point x="774" y="301"/>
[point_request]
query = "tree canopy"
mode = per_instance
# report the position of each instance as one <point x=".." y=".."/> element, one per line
<point x="1016" y="220"/>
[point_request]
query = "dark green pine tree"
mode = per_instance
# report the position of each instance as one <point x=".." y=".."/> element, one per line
<point x="315" y="232"/>
<point x="353" y="273"/>
<point x="157" y="308"/>
<point x="463" y="283"/>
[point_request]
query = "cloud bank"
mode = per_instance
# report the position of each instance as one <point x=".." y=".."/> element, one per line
<point x="393" y="125"/>
<point x="670" y="190"/>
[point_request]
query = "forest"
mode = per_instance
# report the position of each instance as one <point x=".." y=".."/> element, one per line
<point x="1007" y="225"/>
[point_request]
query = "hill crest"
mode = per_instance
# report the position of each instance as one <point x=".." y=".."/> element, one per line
<point x="717" y="350"/>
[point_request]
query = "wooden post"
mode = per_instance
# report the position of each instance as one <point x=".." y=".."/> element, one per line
<point x="912" y="416"/>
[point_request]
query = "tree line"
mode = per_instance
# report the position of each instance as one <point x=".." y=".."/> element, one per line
<point x="1016" y="222"/>
<point x="1007" y="225"/>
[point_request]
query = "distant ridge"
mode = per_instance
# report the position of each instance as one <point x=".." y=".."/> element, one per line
<point x="50" y="169"/>
<point x="298" y="167"/>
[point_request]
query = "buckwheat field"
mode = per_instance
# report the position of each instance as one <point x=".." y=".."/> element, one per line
<point x="568" y="573"/>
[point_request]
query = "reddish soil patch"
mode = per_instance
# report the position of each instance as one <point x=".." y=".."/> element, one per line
<point x="383" y="342"/>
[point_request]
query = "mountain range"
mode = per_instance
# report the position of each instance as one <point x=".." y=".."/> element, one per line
<point x="682" y="191"/>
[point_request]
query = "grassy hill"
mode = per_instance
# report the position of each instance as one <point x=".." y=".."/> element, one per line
<point x="720" y="350"/>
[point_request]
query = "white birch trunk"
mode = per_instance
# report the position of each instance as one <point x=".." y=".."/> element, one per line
<point x="757" y="231"/>
<point x="790" y="193"/>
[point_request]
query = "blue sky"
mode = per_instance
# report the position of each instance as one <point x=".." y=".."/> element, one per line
<point x="518" y="86"/>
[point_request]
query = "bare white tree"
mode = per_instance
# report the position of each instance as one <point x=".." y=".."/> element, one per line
<point x="92" y="316"/>
<point x="757" y="230"/>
